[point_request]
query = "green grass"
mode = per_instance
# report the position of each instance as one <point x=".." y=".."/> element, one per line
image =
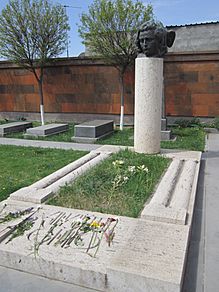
<point x="99" y="190"/>
<point x="190" y="138"/>
<point x="186" y="138"/>
<point x="21" y="166"/>
<point x="125" y="137"/>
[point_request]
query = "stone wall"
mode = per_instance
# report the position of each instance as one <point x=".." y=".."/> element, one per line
<point x="80" y="88"/>
<point x="191" y="83"/>
<point x="70" y="86"/>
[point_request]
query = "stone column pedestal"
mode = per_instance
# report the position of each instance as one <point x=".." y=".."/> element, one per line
<point x="148" y="103"/>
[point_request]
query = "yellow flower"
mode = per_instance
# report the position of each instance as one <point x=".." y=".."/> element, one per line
<point x="95" y="224"/>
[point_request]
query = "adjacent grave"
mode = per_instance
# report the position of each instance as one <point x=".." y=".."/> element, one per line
<point x="165" y="134"/>
<point x="46" y="130"/>
<point x="92" y="131"/>
<point x="14" y="127"/>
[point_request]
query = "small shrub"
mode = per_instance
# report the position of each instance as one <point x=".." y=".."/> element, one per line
<point x="216" y="123"/>
<point x="194" y="122"/>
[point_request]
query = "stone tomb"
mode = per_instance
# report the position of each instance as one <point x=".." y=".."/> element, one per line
<point x="46" y="130"/>
<point x="14" y="127"/>
<point x="147" y="253"/>
<point x="165" y="134"/>
<point x="92" y="131"/>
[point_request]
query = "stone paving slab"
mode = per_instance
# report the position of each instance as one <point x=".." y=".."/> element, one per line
<point x="144" y="255"/>
<point x="48" y="144"/>
<point x="13" y="280"/>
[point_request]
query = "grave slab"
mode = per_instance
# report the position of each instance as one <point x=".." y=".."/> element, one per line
<point x="163" y="124"/>
<point x="92" y="131"/>
<point x="46" y="130"/>
<point x="165" y="135"/>
<point x="144" y="256"/>
<point x="14" y="127"/>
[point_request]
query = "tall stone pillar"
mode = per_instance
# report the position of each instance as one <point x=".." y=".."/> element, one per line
<point x="148" y="103"/>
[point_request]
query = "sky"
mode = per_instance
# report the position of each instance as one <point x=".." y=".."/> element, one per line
<point x="169" y="12"/>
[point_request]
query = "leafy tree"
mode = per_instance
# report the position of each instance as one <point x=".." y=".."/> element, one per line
<point x="31" y="33"/>
<point x="108" y="30"/>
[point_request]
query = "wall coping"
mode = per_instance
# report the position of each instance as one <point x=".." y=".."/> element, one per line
<point x="91" y="61"/>
<point x="192" y="56"/>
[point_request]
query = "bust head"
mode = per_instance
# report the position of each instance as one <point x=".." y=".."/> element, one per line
<point x="153" y="39"/>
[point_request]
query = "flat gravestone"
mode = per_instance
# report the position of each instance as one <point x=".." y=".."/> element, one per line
<point x="46" y="130"/>
<point x="163" y="124"/>
<point x="92" y="131"/>
<point x="14" y="127"/>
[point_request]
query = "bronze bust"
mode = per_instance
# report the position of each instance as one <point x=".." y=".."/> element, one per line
<point x="153" y="39"/>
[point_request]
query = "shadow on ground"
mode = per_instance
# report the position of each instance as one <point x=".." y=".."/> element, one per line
<point x="193" y="279"/>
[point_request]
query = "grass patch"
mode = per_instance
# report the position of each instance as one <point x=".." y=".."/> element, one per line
<point x="125" y="138"/>
<point x="186" y="138"/>
<point x="22" y="166"/>
<point x="105" y="188"/>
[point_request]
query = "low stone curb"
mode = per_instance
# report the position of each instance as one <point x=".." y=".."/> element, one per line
<point x="211" y="130"/>
<point x="47" y="187"/>
<point x="175" y="192"/>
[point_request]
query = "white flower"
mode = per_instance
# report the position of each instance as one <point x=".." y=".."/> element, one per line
<point x="118" y="162"/>
<point x="125" y="178"/>
<point x="143" y="168"/>
<point x="131" y="168"/>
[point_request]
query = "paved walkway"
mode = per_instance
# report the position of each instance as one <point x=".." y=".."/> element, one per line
<point x="48" y="144"/>
<point x="202" y="271"/>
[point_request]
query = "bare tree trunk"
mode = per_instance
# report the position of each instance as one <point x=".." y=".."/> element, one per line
<point x="121" y="83"/>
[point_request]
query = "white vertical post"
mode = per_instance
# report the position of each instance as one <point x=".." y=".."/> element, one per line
<point x="148" y="103"/>
<point x="42" y="114"/>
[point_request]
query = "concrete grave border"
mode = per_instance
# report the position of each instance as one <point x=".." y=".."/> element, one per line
<point x="48" y="186"/>
<point x="149" y="253"/>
